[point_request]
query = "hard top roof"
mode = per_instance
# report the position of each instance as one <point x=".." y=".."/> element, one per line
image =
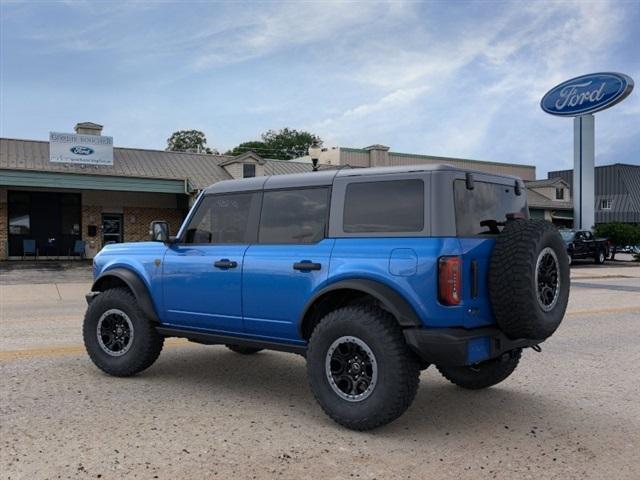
<point x="326" y="177"/>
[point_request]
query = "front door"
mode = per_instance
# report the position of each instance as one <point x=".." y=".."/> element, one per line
<point x="202" y="272"/>
<point x="111" y="228"/>
<point x="289" y="261"/>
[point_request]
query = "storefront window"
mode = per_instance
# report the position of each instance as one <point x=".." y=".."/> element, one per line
<point x="70" y="214"/>
<point x="19" y="214"/>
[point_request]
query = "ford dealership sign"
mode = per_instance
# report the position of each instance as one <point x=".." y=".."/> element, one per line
<point x="587" y="94"/>
<point x="80" y="149"/>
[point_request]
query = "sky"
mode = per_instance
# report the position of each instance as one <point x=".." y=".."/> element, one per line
<point x="446" y="78"/>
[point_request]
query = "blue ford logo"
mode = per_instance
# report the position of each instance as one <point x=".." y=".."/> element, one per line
<point x="587" y="94"/>
<point x="78" y="150"/>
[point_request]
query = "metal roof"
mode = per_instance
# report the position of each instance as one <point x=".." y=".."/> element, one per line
<point x="618" y="183"/>
<point x="200" y="170"/>
<point x="546" y="182"/>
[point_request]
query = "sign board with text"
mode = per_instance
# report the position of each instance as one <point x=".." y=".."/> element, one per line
<point x="80" y="149"/>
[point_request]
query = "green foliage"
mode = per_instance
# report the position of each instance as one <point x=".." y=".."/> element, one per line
<point x="256" y="146"/>
<point x="188" y="141"/>
<point x="283" y="144"/>
<point x="619" y="234"/>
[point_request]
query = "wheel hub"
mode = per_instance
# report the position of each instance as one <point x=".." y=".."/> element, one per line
<point x="115" y="332"/>
<point x="547" y="279"/>
<point x="351" y="368"/>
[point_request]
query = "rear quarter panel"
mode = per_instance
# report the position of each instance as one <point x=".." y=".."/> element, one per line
<point x="389" y="261"/>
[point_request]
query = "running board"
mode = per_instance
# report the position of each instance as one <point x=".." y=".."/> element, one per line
<point x="218" y="339"/>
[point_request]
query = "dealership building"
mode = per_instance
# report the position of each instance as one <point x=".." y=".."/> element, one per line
<point x="79" y="192"/>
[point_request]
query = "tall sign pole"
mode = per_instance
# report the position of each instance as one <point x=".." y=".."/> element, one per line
<point x="580" y="97"/>
<point x="584" y="172"/>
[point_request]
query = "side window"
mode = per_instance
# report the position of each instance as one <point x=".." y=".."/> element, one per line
<point x="294" y="216"/>
<point x="248" y="170"/>
<point x="384" y="206"/>
<point x="227" y="218"/>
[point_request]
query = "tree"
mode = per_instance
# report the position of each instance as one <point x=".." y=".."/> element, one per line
<point x="188" y="141"/>
<point x="619" y="234"/>
<point x="289" y="143"/>
<point x="256" y="146"/>
<point x="283" y="144"/>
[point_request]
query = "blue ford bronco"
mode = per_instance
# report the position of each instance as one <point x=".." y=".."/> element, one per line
<point x="371" y="274"/>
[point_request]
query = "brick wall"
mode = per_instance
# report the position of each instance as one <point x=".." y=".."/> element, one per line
<point x="136" y="222"/>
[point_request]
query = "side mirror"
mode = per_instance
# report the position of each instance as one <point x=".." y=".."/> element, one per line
<point x="159" y="231"/>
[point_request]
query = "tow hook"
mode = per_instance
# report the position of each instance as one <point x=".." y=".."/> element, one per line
<point x="536" y="348"/>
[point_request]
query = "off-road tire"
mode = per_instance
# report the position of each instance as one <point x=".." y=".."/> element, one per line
<point x="243" y="350"/>
<point x="484" y="374"/>
<point x="513" y="290"/>
<point x="146" y="344"/>
<point x="398" y="369"/>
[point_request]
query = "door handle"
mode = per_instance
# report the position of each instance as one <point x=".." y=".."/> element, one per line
<point x="225" y="264"/>
<point x="306" y="266"/>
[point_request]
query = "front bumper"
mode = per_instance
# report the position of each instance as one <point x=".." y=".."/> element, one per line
<point x="452" y="347"/>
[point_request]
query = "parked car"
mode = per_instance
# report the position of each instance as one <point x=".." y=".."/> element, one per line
<point x="629" y="249"/>
<point x="371" y="274"/>
<point x="582" y="244"/>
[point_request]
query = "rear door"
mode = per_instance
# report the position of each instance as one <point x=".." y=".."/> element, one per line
<point x="289" y="261"/>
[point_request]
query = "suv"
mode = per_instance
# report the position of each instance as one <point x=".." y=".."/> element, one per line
<point x="371" y="274"/>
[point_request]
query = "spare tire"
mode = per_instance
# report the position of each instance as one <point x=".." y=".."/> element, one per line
<point x="529" y="279"/>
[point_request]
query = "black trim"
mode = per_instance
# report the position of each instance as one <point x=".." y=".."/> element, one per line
<point x="219" y="339"/>
<point x="135" y="284"/>
<point x="392" y="300"/>
<point x="448" y="346"/>
<point x="474" y="278"/>
<point x="306" y="266"/>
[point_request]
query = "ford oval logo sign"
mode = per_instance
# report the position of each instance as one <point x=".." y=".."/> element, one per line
<point x="79" y="150"/>
<point x="587" y="94"/>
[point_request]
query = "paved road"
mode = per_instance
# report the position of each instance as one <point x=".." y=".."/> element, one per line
<point x="204" y="412"/>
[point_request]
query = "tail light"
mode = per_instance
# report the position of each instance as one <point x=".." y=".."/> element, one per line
<point x="449" y="280"/>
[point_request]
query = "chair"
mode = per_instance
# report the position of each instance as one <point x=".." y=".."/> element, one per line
<point x="29" y="248"/>
<point x="78" y="249"/>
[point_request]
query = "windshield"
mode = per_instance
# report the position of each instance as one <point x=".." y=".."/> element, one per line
<point x="486" y="202"/>
<point x="567" y="234"/>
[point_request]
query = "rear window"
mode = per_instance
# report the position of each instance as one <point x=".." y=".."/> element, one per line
<point x="294" y="216"/>
<point x="487" y="201"/>
<point x="384" y="206"/>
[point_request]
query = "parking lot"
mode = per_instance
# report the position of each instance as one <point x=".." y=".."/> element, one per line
<point x="571" y="411"/>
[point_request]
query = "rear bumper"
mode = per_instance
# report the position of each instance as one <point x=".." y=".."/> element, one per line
<point x="459" y="346"/>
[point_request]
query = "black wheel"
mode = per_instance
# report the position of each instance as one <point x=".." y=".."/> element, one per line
<point x="569" y="259"/>
<point x="118" y="337"/>
<point x="529" y="279"/>
<point x="361" y="371"/>
<point x="243" y="349"/>
<point x="600" y="257"/>
<point x="484" y="374"/>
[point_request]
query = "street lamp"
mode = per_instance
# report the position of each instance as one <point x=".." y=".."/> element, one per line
<point x="314" y="152"/>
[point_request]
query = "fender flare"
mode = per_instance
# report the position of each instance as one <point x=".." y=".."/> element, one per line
<point x="135" y="284"/>
<point x="390" y="298"/>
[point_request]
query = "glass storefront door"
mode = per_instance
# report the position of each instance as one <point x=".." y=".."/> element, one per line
<point x="111" y="228"/>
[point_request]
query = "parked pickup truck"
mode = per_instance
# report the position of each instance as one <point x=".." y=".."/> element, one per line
<point x="582" y="244"/>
